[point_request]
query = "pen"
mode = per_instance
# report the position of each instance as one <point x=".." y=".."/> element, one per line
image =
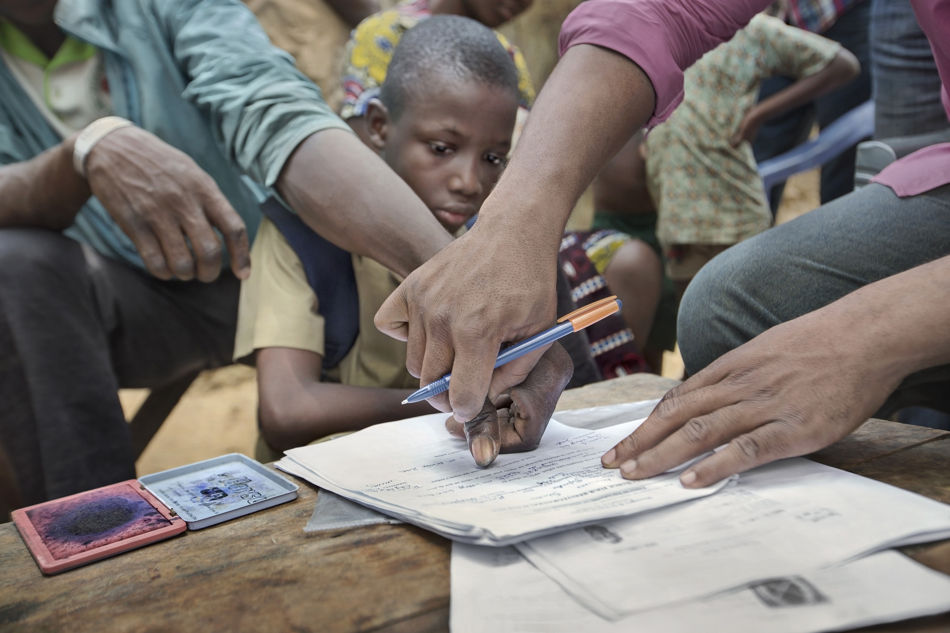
<point x="572" y="322"/>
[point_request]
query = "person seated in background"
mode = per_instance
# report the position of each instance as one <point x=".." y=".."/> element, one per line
<point x="701" y="180"/>
<point x="443" y="121"/>
<point x="846" y="22"/>
<point x="700" y="170"/>
<point x="136" y="140"/>
<point x="621" y="255"/>
<point x="372" y="43"/>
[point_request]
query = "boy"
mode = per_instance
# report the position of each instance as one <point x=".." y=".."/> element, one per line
<point x="443" y="122"/>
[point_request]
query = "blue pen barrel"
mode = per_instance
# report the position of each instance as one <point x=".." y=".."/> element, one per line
<point x="530" y="344"/>
<point x="577" y="320"/>
<point x="440" y="385"/>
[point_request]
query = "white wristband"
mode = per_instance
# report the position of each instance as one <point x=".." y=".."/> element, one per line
<point x="92" y="134"/>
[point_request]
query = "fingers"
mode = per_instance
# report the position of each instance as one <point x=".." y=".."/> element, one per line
<point x="170" y="235"/>
<point x="764" y="444"/>
<point x="516" y="421"/>
<point x="472" y="369"/>
<point x="697" y="436"/>
<point x="454" y="427"/>
<point x="207" y="246"/>
<point x="150" y="251"/>
<point x="433" y="348"/>
<point x="202" y="209"/>
<point x="392" y="318"/>
<point x="517" y="372"/>
<point x="533" y="401"/>
<point x="483" y="435"/>
<point x="681" y="404"/>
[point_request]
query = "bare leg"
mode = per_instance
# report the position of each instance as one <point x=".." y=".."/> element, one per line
<point x="635" y="275"/>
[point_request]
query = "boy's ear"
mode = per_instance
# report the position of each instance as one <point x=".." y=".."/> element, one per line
<point x="377" y="123"/>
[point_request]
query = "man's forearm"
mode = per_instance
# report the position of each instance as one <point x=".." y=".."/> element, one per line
<point x="44" y="191"/>
<point x="345" y="192"/>
<point x="568" y="137"/>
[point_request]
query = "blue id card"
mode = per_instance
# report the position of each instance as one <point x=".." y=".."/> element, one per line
<point x="219" y="489"/>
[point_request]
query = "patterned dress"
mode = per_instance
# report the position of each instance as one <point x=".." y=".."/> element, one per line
<point x="371" y="48"/>
<point x="706" y="190"/>
<point x="583" y="258"/>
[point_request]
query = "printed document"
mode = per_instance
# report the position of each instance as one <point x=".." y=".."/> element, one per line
<point x="781" y="519"/>
<point x="494" y="590"/>
<point x="414" y="470"/>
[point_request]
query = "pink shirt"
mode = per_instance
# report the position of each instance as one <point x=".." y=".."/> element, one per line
<point x="664" y="37"/>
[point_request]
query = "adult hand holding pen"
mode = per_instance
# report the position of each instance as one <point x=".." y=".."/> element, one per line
<point x="496" y="283"/>
<point x="457" y="310"/>
<point x="515" y="421"/>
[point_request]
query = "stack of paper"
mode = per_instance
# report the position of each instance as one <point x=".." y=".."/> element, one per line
<point x="414" y="470"/>
<point x="789" y="548"/>
<point x="497" y="591"/>
<point x="786" y="518"/>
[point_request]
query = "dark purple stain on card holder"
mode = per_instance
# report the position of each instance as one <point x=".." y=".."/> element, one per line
<point x="94" y="519"/>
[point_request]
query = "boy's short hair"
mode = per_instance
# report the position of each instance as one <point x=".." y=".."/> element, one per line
<point x="447" y="46"/>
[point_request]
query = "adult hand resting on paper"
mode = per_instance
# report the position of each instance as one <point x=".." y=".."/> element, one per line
<point x="515" y="421"/>
<point x="798" y="386"/>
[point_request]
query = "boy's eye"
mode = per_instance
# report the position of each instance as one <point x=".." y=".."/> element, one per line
<point x="496" y="159"/>
<point x="439" y="148"/>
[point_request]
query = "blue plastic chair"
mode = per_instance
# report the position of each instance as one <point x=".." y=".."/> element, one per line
<point x="850" y="128"/>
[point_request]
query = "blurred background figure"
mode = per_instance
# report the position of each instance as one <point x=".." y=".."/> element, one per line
<point x="846" y="22"/>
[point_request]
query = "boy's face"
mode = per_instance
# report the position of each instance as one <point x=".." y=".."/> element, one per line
<point x="494" y="13"/>
<point x="450" y="145"/>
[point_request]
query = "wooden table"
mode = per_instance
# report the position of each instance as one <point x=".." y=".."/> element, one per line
<point x="263" y="573"/>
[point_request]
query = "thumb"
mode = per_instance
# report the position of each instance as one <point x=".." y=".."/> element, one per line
<point x="484" y="435"/>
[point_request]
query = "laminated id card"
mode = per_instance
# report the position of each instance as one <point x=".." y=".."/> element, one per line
<point x="219" y="489"/>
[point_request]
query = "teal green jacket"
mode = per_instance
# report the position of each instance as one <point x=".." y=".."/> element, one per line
<point x="199" y="74"/>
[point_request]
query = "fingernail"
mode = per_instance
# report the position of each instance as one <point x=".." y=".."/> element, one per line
<point x="484" y="450"/>
<point x="609" y="458"/>
<point x="627" y="468"/>
<point x="688" y="477"/>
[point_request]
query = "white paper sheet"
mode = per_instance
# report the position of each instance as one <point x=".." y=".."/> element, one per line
<point x="414" y="470"/>
<point x="494" y="590"/>
<point x="780" y="519"/>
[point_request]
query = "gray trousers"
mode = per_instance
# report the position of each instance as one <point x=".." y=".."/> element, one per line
<point x="810" y="262"/>
<point x="75" y="327"/>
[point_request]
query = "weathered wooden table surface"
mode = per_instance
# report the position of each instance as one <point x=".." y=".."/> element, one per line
<point x="263" y="573"/>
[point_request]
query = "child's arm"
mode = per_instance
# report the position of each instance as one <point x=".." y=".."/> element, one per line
<point x="840" y="70"/>
<point x="296" y="408"/>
